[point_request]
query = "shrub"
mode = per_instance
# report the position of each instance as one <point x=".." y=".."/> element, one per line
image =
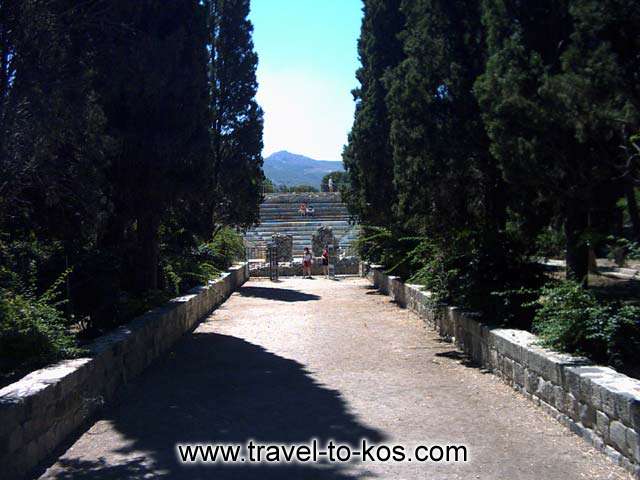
<point x="571" y="319"/>
<point x="621" y="249"/>
<point x="550" y="243"/>
<point x="388" y="247"/>
<point x="624" y="339"/>
<point x="470" y="272"/>
<point x="184" y="270"/>
<point x="465" y="271"/>
<point x="226" y="248"/>
<point x="33" y="332"/>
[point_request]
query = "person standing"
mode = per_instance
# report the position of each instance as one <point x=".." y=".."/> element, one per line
<point x="307" y="258"/>
<point x="325" y="261"/>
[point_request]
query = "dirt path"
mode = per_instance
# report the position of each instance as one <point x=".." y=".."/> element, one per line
<point x="301" y="359"/>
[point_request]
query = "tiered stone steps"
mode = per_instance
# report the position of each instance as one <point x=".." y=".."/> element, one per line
<point x="279" y="214"/>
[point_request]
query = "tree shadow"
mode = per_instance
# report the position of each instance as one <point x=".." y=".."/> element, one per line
<point x="463" y="359"/>
<point x="278" y="294"/>
<point x="376" y="292"/>
<point x="217" y="389"/>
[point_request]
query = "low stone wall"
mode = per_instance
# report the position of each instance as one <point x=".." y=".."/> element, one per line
<point x="344" y="266"/>
<point x="44" y="408"/>
<point x="595" y="402"/>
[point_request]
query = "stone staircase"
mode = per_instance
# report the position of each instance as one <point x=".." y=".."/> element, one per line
<point x="279" y="214"/>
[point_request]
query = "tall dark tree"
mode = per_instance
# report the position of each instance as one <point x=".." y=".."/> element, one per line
<point x="153" y="84"/>
<point x="555" y="100"/>
<point x="444" y="174"/>
<point x="236" y="117"/>
<point x="368" y="156"/>
<point x="51" y="125"/>
<point x="601" y="86"/>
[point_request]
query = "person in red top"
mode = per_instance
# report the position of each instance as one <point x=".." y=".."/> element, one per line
<point x="325" y="261"/>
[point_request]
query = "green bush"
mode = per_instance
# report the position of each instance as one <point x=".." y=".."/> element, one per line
<point x="550" y="243"/>
<point x="466" y="271"/>
<point x="571" y="319"/>
<point x="622" y="248"/>
<point x="391" y="248"/>
<point x="226" y="248"/>
<point x="184" y="270"/>
<point x="33" y="333"/>
<point x="624" y="339"/>
<point x="488" y="277"/>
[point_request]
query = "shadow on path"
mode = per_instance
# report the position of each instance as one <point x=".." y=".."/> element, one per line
<point x="280" y="294"/>
<point x="217" y="389"/>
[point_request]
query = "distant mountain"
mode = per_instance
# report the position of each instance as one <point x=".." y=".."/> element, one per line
<point x="285" y="168"/>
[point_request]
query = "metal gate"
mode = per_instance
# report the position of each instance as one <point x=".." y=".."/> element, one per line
<point x="272" y="254"/>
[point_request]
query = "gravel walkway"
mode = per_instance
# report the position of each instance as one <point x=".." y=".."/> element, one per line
<point x="300" y="359"/>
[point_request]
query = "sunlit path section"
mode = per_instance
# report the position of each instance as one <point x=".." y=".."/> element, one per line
<point x="301" y="359"/>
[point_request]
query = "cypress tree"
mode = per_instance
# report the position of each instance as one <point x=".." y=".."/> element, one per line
<point x="600" y="86"/>
<point x="443" y="169"/>
<point x="51" y="125"/>
<point x="553" y="92"/>
<point x="368" y="156"/>
<point x="153" y="85"/>
<point x="237" y="120"/>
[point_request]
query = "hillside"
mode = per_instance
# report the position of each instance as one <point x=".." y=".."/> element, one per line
<point x="285" y="168"/>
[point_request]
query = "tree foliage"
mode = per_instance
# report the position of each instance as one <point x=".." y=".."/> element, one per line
<point x="440" y="148"/>
<point x="129" y="134"/>
<point x="236" y="117"/>
<point x="557" y="102"/>
<point x="509" y="127"/>
<point x="156" y="108"/>
<point x="368" y="155"/>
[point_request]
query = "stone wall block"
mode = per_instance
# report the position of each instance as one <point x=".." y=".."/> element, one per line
<point x="14" y="440"/>
<point x="626" y="399"/>
<point x="618" y="436"/>
<point x="450" y="322"/>
<point x="633" y="442"/>
<point x="507" y="368"/>
<point x="587" y="415"/>
<point x="634" y="413"/>
<point x="572" y="407"/>
<point x="518" y="374"/>
<point x="558" y="398"/>
<point x="493" y="359"/>
<point x="608" y="398"/>
<point x="538" y="361"/>
<point x="507" y="342"/>
<point x="531" y="381"/>
<point x="478" y="349"/>
<point x="13" y="412"/>
<point x="545" y="391"/>
<point x="571" y="381"/>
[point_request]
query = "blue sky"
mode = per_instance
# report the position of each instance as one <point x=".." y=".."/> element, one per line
<point x="308" y="58"/>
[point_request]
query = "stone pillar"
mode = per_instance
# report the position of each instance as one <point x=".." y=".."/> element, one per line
<point x="323" y="237"/>
<point x="284" y="246"/>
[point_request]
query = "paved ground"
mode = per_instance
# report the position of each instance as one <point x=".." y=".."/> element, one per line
<point x="290" y="361"/>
